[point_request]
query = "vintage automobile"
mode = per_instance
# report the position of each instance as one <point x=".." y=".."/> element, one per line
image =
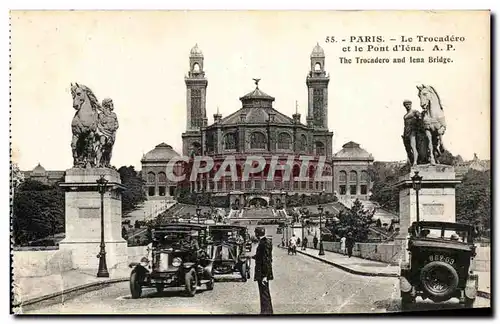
<point x="440" y="256"/>
<point x="176" y="258"/>
<point x="230" y="246"/>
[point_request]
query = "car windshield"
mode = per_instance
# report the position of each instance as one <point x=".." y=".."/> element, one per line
<point x="227" y="234"/>
<point x="172" y="237"/>
<point x="442" y="233"/>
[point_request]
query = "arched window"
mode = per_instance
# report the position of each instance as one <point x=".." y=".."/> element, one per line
<point x="302" y="143"/>
<point x="151" y="177"/>
<point x="230" y="141"/>
<point x="342" y="176"/>
<point x="195" y="149"/>
<point x="311" y="171"/>
<point x="162" y="177"/>
<point x="365" y="177"/>
<point x="258" y="141"/>
<point x="353" y="176"/>
<point x="284" y="141"/>
<point x="317" y="67"/>
<point x="319" y="148"/>
<point x="196" y="67"/>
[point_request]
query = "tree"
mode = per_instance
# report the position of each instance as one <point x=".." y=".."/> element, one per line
<point x="37" y="211"/>
<point x="473" y="199"/>
<point x="17" y="177"/>
<point x="384" y="191"/>
<point x="134" y="192"/>
<point x="356" y="220"/>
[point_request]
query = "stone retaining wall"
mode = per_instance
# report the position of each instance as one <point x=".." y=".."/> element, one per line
<point x="40" y="263"/>
<point x="389" y="253"/>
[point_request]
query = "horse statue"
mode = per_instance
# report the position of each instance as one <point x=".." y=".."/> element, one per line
<point x="93" y="133"/>
<point x="433" y="120"/>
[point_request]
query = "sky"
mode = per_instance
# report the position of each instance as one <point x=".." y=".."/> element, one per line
<point x="139" y="59"/>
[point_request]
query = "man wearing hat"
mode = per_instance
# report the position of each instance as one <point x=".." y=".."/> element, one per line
<point x="264" y="270"/>
<point x="349" y="243"/>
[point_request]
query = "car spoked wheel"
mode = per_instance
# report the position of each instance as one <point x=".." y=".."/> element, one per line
<point x="244" y="271"/>
<point x="135" y="286"/>
<point x="191" y="282"/>
<point x="210" y="284"/>
<point x="439" y="279"/>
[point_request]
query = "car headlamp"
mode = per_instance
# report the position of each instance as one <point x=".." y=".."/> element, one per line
<point x="176" y="262"/>
<point x="144" y="262"/>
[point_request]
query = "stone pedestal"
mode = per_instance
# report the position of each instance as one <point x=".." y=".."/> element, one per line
<point x="83" y="218"/>
<point x="436" y="197"/>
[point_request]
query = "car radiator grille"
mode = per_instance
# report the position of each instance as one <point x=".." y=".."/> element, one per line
<point x="162" y="262"/>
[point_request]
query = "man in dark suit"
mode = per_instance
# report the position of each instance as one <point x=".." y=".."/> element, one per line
<point x="264" y="270"/>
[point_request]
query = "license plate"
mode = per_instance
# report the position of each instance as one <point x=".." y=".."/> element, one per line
<point x="440" y="257"/>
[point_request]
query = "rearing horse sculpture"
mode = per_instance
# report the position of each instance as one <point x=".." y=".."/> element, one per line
<point x="433" y="119"/>
<point x="84" y="126"/>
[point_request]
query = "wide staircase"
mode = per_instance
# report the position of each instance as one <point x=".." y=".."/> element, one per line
<point x="148" y="210"/>
<point x="257" y="213"/>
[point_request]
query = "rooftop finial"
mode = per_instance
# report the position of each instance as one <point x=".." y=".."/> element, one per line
<point x="296" y="106"/>
<point x="217" y="110"/>
<point x="256" y="83"/>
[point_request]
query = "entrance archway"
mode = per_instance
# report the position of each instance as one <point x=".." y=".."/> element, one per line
<point x="257" y="202"/>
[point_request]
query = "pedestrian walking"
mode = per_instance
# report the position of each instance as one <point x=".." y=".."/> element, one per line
<point x="315" y="242"/>
<point x="304" y="244"/>
<point x="298" y="241"/>
<point x="264" y="270"/>
<point x="349" y="244"/>
<point x="292" y="247"/>
<point x="342" y="245"/>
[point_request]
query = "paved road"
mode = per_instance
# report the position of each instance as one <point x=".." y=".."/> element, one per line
<point x="301" y="285"/>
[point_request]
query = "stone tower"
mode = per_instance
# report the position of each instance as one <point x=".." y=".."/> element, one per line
<point x="317" y="86"/>
<point x="196" y="91"/>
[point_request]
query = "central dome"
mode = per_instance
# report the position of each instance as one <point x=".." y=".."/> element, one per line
<point x="257" y="98"/>
<point x="161" y="152"/>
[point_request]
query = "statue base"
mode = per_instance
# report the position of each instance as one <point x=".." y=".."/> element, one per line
<point x="83" y="218"/>
<point x="436" y="196"/>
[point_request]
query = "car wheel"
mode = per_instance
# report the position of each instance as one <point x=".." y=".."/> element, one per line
<point x="248" y="272"/>
<point x="135" y="286"/>
<point x="190" y="282"/>
<point x="160" y="288"/>
<point x="210" y="284"/>
<point x="406" y="301"/>
<point x="469" y="302"/>
<point x="244" y="270"/>
<point x="439" y="280"/>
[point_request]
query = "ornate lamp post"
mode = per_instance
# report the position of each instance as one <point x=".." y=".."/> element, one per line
<point x="321" y="250"/>
<point x="417" y="185"/>
<point x="103" y="268"/>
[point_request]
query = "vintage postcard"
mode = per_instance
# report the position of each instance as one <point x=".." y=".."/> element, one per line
<point x="250" y="162"/>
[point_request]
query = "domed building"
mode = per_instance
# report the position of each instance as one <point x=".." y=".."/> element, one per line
<point x="41" y="175"/>
<point x="258" y="128"/>
<point x="351" y="178"/>
<point x="154" y="172"/>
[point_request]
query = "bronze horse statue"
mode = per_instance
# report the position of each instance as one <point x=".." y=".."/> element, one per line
<point x="434" y="123"/>
<point x="89" y="139"/>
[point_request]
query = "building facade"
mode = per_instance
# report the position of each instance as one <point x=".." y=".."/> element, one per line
<point x="258" y="128"/>
<point x="154" y="172"/>
<point x="46" y="177"/>
<point x="351" y="172"/>
<point x="475" y="164"/>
